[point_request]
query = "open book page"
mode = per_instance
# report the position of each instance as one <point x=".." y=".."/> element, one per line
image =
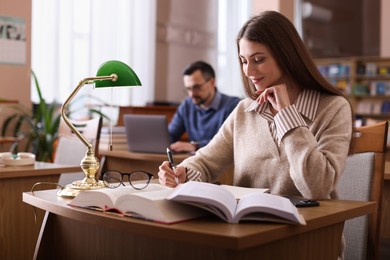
<point x="239" y="192"/>
<point x="265" y="207"/>
<point x="154" y="206"/>
<point x="149" y="203"/>
<point x="106" y="197"/>
<point x="208" y="196"/>
<point x="255" y="205"/>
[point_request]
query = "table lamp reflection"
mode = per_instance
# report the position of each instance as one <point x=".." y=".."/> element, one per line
<point x="110" y="74"/>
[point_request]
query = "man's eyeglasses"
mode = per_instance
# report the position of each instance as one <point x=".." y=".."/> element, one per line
<point x="196" y="87"/>
<point x="138" y="179"/>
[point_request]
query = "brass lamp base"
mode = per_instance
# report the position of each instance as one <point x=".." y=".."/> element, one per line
<point x="68" y="193"/>
<point x="73" y="189"/>
<point x="90" y="166"/>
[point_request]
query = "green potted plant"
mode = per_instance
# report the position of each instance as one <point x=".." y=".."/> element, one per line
<point x="38" y="126"/>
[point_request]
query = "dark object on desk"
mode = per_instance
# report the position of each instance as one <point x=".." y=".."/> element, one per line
<point x="302" y="202"/>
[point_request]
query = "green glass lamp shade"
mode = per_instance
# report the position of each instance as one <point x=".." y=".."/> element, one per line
<point x="126" y="76"/>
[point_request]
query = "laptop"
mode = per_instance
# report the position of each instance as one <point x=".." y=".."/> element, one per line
<point x="147" y="133"/>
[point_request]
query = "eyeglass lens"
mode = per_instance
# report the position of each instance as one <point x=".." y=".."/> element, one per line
<point x="112" y="179"/>
<point x="193" y="88"/>
<point x="138" y="179"/>
<point x="196" y="87"/>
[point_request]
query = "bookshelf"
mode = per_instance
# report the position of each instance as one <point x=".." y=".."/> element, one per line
<point x="119" y="139"/>
<point x="365" y="80"/>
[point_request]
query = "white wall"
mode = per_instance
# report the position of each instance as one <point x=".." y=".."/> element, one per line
<point x="186" y="32"/>
<point x="15" y="79"/>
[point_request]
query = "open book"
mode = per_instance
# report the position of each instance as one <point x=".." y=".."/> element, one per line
<point x="258" y="206"/>
<point x="149" y="203"/>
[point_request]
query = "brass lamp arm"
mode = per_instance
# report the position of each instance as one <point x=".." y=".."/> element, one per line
<point x="110" y="74"/>
<point x="90" y="80"/>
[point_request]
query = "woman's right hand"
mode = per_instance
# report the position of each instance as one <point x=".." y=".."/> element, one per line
<point x="167" y="177"/>
<point x="276" y="95"/>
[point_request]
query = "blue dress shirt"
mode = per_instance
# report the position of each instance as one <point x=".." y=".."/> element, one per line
<point x="201" y="124"/>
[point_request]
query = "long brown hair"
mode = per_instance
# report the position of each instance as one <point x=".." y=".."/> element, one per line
<point x="279" y="35"/>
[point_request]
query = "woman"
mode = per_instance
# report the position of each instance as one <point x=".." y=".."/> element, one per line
<point x="291" y="135"/>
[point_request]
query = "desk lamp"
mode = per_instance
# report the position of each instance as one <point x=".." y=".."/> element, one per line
<point x="110" y="74"/>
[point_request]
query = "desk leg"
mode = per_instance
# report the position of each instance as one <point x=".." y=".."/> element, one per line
<point x="41" y="233"/>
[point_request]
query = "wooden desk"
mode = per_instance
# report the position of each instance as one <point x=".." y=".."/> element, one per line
<point x="387" y="170"/>
<point x="129" y="161"/>
<point x="18" y="231"/>
<point x="6" y="143"/>
<point x="7" y="139"/>
<point x="87" y="234"/>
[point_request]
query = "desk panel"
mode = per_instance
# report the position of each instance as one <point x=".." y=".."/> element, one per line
<point x="76" y="240"/>
<point x="18" y="230"/>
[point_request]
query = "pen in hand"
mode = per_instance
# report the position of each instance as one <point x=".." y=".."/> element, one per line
<point x="173" y="166"/>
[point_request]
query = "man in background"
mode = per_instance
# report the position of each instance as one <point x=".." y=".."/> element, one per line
<point x="202" y="113"/>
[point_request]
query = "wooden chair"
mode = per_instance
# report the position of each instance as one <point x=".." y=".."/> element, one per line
<point x="71" y="150"/>
<point x="363" y="180"/>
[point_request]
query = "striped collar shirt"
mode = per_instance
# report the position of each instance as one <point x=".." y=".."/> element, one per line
<point x="290" y="117"/>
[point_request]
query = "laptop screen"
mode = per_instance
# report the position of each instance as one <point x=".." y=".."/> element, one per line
<point x="146" y="133"/>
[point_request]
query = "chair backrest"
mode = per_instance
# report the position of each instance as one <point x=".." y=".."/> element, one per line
<point x="90" y="129"/>
<point x="70" y="149"/>
<point x="363" y="180"/>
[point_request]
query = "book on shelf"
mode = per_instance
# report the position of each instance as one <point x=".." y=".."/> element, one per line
<point x="118" y="138"/>
<point x="253" y="206"/>
<point x="115" y="146"/>
<point x="149" y="203"/>
<point x="115" y="130"/>
<point x="373" y="107"/>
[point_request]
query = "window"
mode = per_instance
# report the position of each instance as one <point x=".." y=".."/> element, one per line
<point x="232" y="15"/>
<point x="70" y="39"/>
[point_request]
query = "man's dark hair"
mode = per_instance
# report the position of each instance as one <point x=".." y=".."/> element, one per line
<point x="206" y="69"/>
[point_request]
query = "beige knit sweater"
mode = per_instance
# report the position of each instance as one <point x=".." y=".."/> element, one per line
<point x="308" y="161"/>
